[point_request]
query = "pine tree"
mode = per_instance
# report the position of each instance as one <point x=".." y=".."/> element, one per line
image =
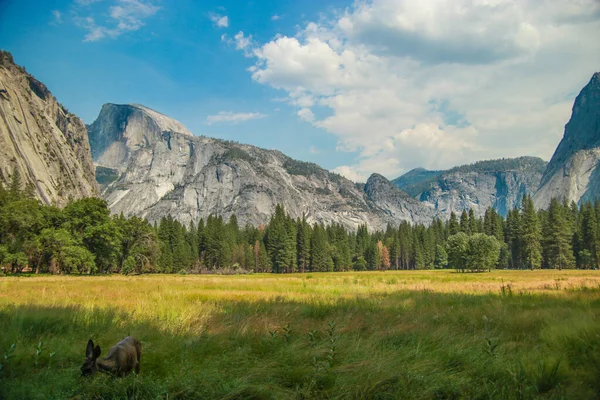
<point x="16" y="184"/>
<point x="320" y="259"/>
<point x="531" y="234"/>
<point x="464" y="222"/>
<point x="441" y="257"/>
<point x="384" y="256"/>
<point x="514" y="238"/>
<point x="473" y="223"/>
<point x="558" y="237"/>
<point x="588" y="242"/>
<point x="303" y="244"/>
<point x="453" y="227"/>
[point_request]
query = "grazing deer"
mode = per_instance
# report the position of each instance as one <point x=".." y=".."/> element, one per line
<point x="121" y="359"/>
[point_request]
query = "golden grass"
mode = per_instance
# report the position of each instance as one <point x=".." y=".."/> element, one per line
<point x="427" y="324"/>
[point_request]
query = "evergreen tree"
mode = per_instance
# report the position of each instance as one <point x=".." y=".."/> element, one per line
<point x="464" y="222"/>
<point x="441" y="257"/>
<point x="320" y="260"/>
<point x="531" y="235"/>
<point x="588" y="237"/>
<point x="303" y="233"/>
<point x="473" y="223"/>
<point x="453" y="227"/>
<point x="558" y="237"/>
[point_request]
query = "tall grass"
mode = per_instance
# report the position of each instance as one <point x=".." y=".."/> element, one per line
<point x="412" y="334"/>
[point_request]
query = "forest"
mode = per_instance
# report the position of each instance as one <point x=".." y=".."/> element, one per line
<point x="84" y="238"/>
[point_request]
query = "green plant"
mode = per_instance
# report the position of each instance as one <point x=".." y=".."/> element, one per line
<point x="490" y="346"/>
<point x="7" y="356"/>
<point x="547" y="377"/>
<point x="38" y="352"/>
<point x="287" y="332"/>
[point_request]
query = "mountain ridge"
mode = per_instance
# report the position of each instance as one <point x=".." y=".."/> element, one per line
<point x="41" y="139"/>
<point x="163" y="172"/>
<point x="573" y="172"/>
<point x="498" y="183"/>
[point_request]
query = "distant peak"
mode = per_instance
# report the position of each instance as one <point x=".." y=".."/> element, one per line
<point x="165" y="122"/>
<point x="377" y="177"/>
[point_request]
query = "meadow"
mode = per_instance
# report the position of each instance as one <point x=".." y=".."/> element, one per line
<point x="355" y="335"/>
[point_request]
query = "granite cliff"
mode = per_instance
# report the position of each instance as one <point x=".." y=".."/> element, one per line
<point x="494" y="183"/>
<point x="41" y="140"/>
<point x="573" y="172"/>
<point x="153" y="166"/>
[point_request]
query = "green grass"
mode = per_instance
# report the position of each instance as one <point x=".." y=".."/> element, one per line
<point x="412" y="334"/>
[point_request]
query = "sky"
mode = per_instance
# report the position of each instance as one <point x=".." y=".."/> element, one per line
<point x="355" y="86"/>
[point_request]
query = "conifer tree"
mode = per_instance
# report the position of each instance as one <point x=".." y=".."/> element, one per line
<point x="588" y="237"/>
<point x="558" y="237"/>
<point x="320" y="258"/>
<point x="453" y="227"/>
<point x="464" y="222"/>
<point x="473" y="223"/>
<point x="531" y="234"/>
<point x="303" y="232"/>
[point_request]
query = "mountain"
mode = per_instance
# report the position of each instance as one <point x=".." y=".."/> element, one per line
<point x="41" y="140"/>
<point x="413" y="179"/>
<point x="152" y="166"/>
<point x="573" y="172"/>
<point x="496" y="183"/>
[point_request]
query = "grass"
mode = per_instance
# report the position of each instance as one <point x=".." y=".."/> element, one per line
<point x="380" y="335"/>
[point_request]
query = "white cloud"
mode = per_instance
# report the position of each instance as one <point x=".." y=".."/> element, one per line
<point x="123" y="16"/>
<point x="350" y="173"/>
<point x="221" y="21"/>
<point x="313" y="150"/>
<point x="232" y="118"/>
<point x="86" y="2"/>
<point x="241" y="42"/>
<point x="275" y="17"/>
<point x="57" y="16"/>
<point x="306" y="114"/>
<point x="436" y="83"/>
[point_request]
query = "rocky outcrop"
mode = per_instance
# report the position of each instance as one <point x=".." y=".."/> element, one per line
<point x="395" y="203"/>
<point x="496" y="183"/>
<point x="41" y="140"/>
<point x="160" y="169"/>
<point x="573" y="172"/>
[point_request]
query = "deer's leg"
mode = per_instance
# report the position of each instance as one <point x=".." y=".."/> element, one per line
<point x="137" y="364"/>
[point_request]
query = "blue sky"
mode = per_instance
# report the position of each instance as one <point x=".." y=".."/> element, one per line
<point x="373" y="86"/>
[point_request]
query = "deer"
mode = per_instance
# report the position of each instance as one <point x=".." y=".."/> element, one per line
<point x="121" y="359"/>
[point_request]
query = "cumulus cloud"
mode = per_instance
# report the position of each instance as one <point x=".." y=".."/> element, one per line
<point x="221" y="21"/>
<point x="241" y="42"/>
<point x="57" y="16"/>
<point x="350" y="173"/>
<point x="232" y="118"/>
<point x="306" y="114"/>
<point x="436" y="83"/>
<point x="123" y="16"/>
<point x="275" y="17"/>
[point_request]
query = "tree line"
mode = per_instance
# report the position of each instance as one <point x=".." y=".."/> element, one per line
<point x="83" y="237"/>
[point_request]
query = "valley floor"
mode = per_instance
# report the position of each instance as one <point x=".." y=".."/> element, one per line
<point x="371" y="335"/>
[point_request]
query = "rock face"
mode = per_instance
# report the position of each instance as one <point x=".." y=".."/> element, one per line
<point x="573" y="172"/>
<point x="159" y="168"/>
<point x="496" y="183"/>
<point x="41" y="139"/>
<point x="395" y="203"/>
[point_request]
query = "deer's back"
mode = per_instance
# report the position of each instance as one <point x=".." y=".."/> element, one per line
<point x="125" y="354"/>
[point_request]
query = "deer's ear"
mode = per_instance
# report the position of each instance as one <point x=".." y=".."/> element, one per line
<point x="96" y="352"/>
<point x="89" y="350"/>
